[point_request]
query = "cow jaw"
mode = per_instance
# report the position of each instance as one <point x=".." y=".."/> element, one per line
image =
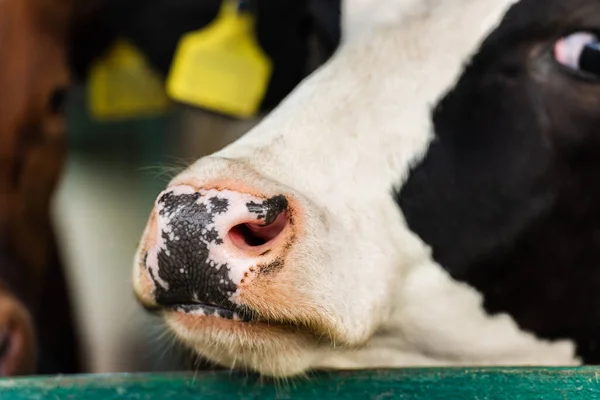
<point x="334" y="149"/>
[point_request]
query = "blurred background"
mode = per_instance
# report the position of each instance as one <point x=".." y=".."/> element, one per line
<point x="128" y="134"/>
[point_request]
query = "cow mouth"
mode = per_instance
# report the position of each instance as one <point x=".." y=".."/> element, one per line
<point x="212" y="310"/>
<point x="233" y="314"/>
<point x="10" y="353"/>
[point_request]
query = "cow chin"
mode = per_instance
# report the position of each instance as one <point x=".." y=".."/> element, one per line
<point x="271" y="349"/>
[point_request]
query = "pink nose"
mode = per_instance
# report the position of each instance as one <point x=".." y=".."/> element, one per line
<point x="206" y="244"/>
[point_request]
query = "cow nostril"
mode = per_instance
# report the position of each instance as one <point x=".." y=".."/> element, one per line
<point x="253" y="235"/>
<point x="243" y="234"/>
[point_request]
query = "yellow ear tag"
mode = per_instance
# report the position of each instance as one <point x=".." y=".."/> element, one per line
<point x="221" y="67"/>
<point x="123" y="85"/>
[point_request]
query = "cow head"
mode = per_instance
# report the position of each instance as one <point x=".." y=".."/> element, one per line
<point x="418" y="200"/>
<point x="33" y="76"/>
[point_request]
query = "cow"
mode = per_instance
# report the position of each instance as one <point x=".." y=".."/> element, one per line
<point x="428" y="197"/>
<point x="37" y="333"/>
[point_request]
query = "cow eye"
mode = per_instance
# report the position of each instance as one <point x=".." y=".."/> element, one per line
<point x="579" y="51"/>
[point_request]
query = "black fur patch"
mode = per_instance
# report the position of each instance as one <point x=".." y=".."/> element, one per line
<point x="508" y="194"/>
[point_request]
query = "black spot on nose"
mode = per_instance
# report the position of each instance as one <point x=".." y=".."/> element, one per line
<point x="269" y="209"/>
<point x="187" y="225"/>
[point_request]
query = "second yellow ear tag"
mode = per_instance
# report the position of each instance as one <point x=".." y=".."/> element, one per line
<point x="122" y="85"/>
<point x="221" y="67"/>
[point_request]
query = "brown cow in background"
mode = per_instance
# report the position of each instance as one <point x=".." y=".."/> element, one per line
<point x="36" y="328"/>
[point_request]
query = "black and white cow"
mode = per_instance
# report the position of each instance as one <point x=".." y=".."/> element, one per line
<point x="428" y="197"/>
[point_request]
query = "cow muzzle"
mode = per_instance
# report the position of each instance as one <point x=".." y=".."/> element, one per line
<point x="203" y="248"/>
<point x="17" y="347"/>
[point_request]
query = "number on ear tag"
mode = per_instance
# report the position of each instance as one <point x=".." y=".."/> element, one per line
<point x="123" y="85"/>
<point x="221" y="67"/>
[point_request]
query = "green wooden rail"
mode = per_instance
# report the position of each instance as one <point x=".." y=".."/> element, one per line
<point x="431" y="384"/>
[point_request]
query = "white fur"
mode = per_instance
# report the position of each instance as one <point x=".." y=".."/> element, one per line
<point x="339" y="143"/>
